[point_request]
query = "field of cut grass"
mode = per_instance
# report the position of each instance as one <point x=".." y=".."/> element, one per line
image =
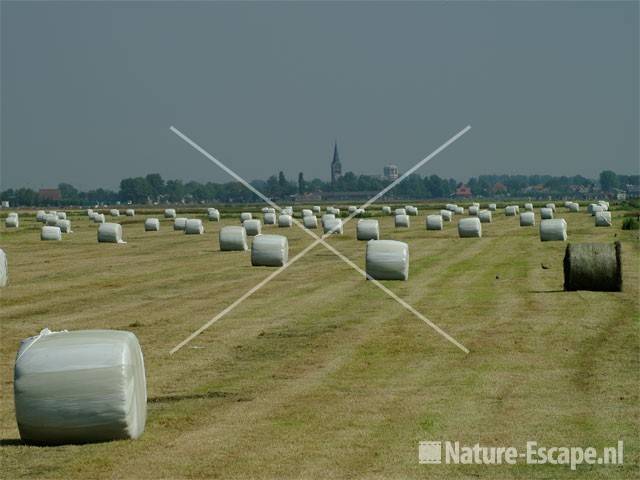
<point x="320" y="374"/>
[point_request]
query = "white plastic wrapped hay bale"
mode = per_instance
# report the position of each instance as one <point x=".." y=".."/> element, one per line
<point x="244" y="216"/>
<point x="485" y="216"/>
<point x="180" y="223"/>
<point x="401" y="221"/>
<point x="553" y="230"/>
<point x="61" y="215"/>
<point x="270" y="218"/>
<point x="527" y="219"/>
<point x="151" y="225"/>
<point x="80" y="387"/>
<point x="336" y="212"/>
<point x="213" y="214"/>
<point x="306" y="212"/>
<point x="169" y="213"/>
<point x="367" y="230"/>
<point x="459" y="210"/>
<point x="546" y="213"/>
<point x="89" y="212"/>
<point x="310" y="221"/>
<point x="446" y="215"/>
<point x="130" y="212"/>
<point x="285" y="221"/>
<point x="333" y="226"/>
<point x="493" y="207"/>
<point x="114" y="212"/>
<point x="510" y="211"/>
<point x="411" y="210"/>
<point x="253" y="227"/>
<point x="595" y="208"/>
<point x="603" y="219"/>
<point x="64" y="225"/>
<point x="327" y="217"/>
<point x="4" y="269"/>
<point x="12" y="221"/>
<point x="528" y="207"/>
<point x="99" y="218"/>
<point x="473" y="210"/>
<point x="400" y="211"/>
<point x="452" y="207"/>
<point x="386" y="210"/>
<point x="316" y="209"/>
<point x="435" y="222"/>
<point x="49" y="232"/>
<point x="287" y="211"/>
<point x="41" y="216"/>
<point x="552" y="206"/>
<point x="265" y="210"/>
<point x="470" y="227"/>
<point x="360" y="212"/>
<point x="233" y="238"/>
<point x="573" y="207"/>
<point x="51" y="219"/>
<point x="387" y="260"/>
<point x="269" y="251"/>
<point x="110" y="233"/>
<point x="352" y="209"/>
<point x="604" y="204"/>
<point x="194" y="227"/>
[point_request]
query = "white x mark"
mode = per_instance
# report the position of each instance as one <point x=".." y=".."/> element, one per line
<point x="318" y="239"/>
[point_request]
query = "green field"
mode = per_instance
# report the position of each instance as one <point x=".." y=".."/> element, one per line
<point x="320" y="374"/>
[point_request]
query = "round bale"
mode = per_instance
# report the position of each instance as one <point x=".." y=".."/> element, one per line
<point x="493" y="207"/>
<point x="269" y="251"/>
<point x="553" y="230"/>
<point x="510" y="210"/>
<point x="401" y="220"/>
<point x="41" y="216"/>
<point x="527" y="219"/>
<point x="51" y="219"/>
<point x="130" y="212"/>
<point x="473" y="210"/>
<point x="245" y="216"/>
<point x="49" y="232"/>
<point x="546" y="213"/>
<point x="333" y="226"/>
<point x="12" y="222"/>
<point x="233" y="238"/>
<point x="61" y="215"/>
<point x="603" y="219"/>
<point x="285" y="221"/>
<point x="387" y="260"/>
<point x="213" y="214"/>
<point x="386" y="210"/>
<point x="528" y="207"/>
<point x="435" y="222"/>
<point x="485" y="216"/>
<point x="151" y="225"/>
<point x="80" y="387"/>
<point x="99" y="218"/>
<point x="593" y="266"/>
<point x="446" y="215"/>
<point x="470" y="227"/>
<point x="310" y="221"/>
<point x="64" y="225"/>
<point x="269" y="218"/>
<point x="110" y="233"/>
<point x="4" y="269"/>
<point x="114" y="212"/>
<point x="368" y="230"/>
<point x="194" y="227"/>
<point x="169" y="213"/>
<point x="253" y="227"/>
<point x="180" y="223"/>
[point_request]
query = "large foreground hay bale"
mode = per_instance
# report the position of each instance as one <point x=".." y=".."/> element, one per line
<point x="233" y="238"/>
<point x="470" y="227"/>
<point x="527" y="219"/>
<point x="194" y="227"/>
<point x="64" y="225"/>
<point x="269" y="251"/>
<point x="435" y="222"/>
<point x="4" y="269"/>
<point x="49" y="232"/>
<point x="333" y="226"/>
<point x="310" y="221"/>
<point x="269" y="218"/>
<point x="151" y="225"/>
<point x="110" y="233"/>
<point x="180" y="223"/>
<point x="546" y="213"/>
<point x="169" y="213"/>
<point x="401" y="221"/>
<point x="485" y="216"/>
<point x="368" y="230"/>
<point x="603" y="219"/>
<point x="553" y="230"/>
<point x="593" y="266"/>
<point x="253" y="227"/>
<point x="285" y="221"/>
<point x="80" y="387"/>
<point x="387" y="260"/>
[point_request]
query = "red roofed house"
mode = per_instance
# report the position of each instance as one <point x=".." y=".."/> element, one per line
<point x="463" y="191"/>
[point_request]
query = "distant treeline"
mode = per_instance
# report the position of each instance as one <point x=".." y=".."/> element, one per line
<point x="153" y="188"/>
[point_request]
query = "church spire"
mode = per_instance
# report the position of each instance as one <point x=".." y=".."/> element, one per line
<point x="336" y="166"/>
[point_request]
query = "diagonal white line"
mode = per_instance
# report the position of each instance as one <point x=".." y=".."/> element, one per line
<point x="319" y="240"/>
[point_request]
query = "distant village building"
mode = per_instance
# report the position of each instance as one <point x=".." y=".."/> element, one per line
<point x="463" y="191"/>
<point x="391" y="172"/>
<point x="49" y="194"/>
<point x="633" y="191"/>
<point x="336" y="166"/>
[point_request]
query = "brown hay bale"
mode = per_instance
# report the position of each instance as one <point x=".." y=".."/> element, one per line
<point x="593" y="266"/>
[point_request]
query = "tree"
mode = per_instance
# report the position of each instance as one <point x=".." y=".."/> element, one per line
<point x="608" y="180"/>
<point x="156" y="184"/>
<point x="282" y="181"/>
<point x="301" y="184"/>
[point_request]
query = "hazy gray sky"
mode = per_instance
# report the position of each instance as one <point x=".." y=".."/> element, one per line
<point x="89" y="90"/>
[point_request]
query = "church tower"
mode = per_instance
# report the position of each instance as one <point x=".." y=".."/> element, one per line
<point x="336" y="166"/>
